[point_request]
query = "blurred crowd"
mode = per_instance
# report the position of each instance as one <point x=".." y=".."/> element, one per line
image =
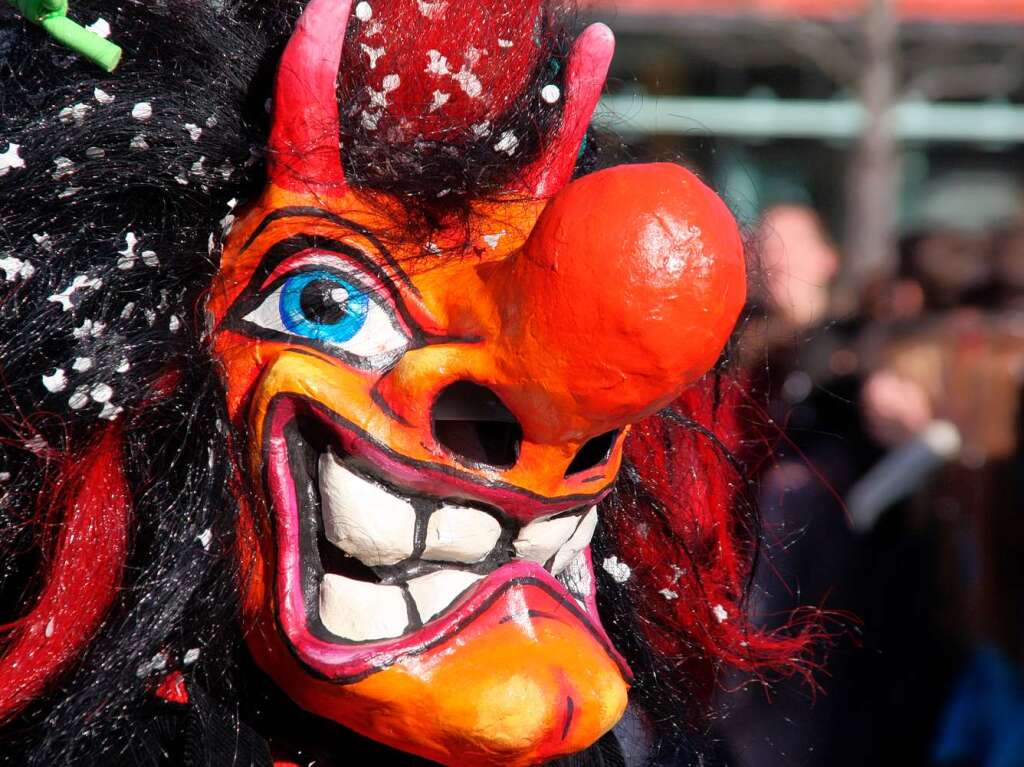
<point x="895" y="495"/>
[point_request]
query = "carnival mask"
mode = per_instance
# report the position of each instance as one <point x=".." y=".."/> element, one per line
<point x="433" y="424"/>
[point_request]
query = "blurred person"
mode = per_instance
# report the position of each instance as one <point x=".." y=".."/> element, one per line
<point x="803" y="375"/>
<point x="798" y="264"/>
<point x="881" y="700"/>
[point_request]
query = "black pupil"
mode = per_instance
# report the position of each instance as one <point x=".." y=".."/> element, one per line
<point x="319" y="304"/>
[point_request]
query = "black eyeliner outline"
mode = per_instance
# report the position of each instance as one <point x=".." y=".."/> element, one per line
<point x="253" y="295"/>
<point x="301" y="211"/>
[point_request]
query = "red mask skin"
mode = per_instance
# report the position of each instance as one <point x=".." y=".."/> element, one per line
<point x="432" y="424"/>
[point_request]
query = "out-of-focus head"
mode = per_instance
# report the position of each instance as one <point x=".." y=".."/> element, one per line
<point x="798" y="264"/>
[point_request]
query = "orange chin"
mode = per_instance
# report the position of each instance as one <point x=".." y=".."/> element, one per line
<point x="509" y="689"/>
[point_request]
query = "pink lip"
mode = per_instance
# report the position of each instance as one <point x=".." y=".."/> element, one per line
<point x="350" y="662"/>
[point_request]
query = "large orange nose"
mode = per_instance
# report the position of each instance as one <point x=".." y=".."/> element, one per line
<point x="625" y="292"/>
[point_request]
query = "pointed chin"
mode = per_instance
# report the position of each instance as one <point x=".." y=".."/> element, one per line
<point x="524" y="682"/>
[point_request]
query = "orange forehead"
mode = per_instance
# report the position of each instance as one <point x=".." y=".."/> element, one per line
<point x="420" y="269"/>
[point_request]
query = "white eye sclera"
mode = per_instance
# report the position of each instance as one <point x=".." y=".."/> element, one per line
<point x="333" y="309"/>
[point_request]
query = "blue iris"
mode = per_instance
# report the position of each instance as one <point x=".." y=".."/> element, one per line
<point x="323" y="306"/>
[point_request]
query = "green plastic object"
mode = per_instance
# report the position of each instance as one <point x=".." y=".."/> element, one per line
<point x="52" y="16"/>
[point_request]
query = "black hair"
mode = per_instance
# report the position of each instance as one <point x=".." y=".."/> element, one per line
<point x="124" y="181"/>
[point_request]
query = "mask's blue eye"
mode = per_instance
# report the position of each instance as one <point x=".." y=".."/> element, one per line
<point x="323" y="306"/>
<point x="333" y="310"/>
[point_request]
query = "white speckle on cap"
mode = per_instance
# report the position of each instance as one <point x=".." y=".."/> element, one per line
<point x="619" y="571"/>
<point x="439" y="100"/>
<point x="469" y="83"/>
<point x="65" y="167"/>
<point x="138" y="142"/>
<point x="430" y="10"/>
<point x="110" y="412"/>
<point x="492" y="239"/>
<point x="150" y="316"/>
<point x="100" y="27"/>
<point x="76" y="113"/>
<point x="13" y="268"/>
<point x="481" y="129"/>
<point x="149" y="258"/>
<point x="502" y="43"/>
<point x="5" y="476"/>
<point x="194" y="131"/>
<point x="205" y="538"/>
<point x="80" y="282"/>
<point x="372" y="53"/>
<point x="191" y="656"/>
<point x="10" y="158"/>
<point x="369" y="119"/>
<point x="128" y="310"/>
<point x="43" y="241"/>
<point x="37" y="444"/>
<point x="79" y="399"/>
<point x="89" y="328"/>
<point x="550" y="93"/>
<point x="124" y="366"/>
<point x="128" y="257"/>
<point x="48" y="631"/>
<point x="70" y="191"/>
<point x="81" y="364"/>
<point x="102" y="96"/>
<point x="101" y="392"/>
<point x="436" y="63"/>
<point x="56" y="381"/>
<point x="174" y="323"/>
<point x="142" y="111"/>
<point x="507" y="143"/>
<point x="363" y="11"/>
<point x="720" y="613"/>
<point x="669" y="594"/>
<point x="95" y="153"/>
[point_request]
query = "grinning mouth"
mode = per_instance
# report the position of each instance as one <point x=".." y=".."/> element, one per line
<point x="369" y="570"/>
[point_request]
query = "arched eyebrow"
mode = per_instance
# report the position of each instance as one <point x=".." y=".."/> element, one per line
<point x="311" y="212"/>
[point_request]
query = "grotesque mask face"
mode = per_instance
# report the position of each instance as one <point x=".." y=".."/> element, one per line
<point x="432" y="425"/>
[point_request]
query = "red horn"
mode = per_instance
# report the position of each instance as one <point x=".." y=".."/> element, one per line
<point x="584" y="78"/>
<point x="304" y="149"/>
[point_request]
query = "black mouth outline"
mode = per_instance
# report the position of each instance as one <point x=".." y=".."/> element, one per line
<point x="305" y="447"/>
<point x="382" y="660"/>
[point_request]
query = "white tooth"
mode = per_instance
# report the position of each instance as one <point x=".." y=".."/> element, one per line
<point x="579" y="541"/>
<point x="459" y="534"/>
<point x="359" y="611"/>
<point x="539" y="541"/>
<point x="433" y="593"/>
<point x="362" y="518"/>
<point x="576" y="576"/>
